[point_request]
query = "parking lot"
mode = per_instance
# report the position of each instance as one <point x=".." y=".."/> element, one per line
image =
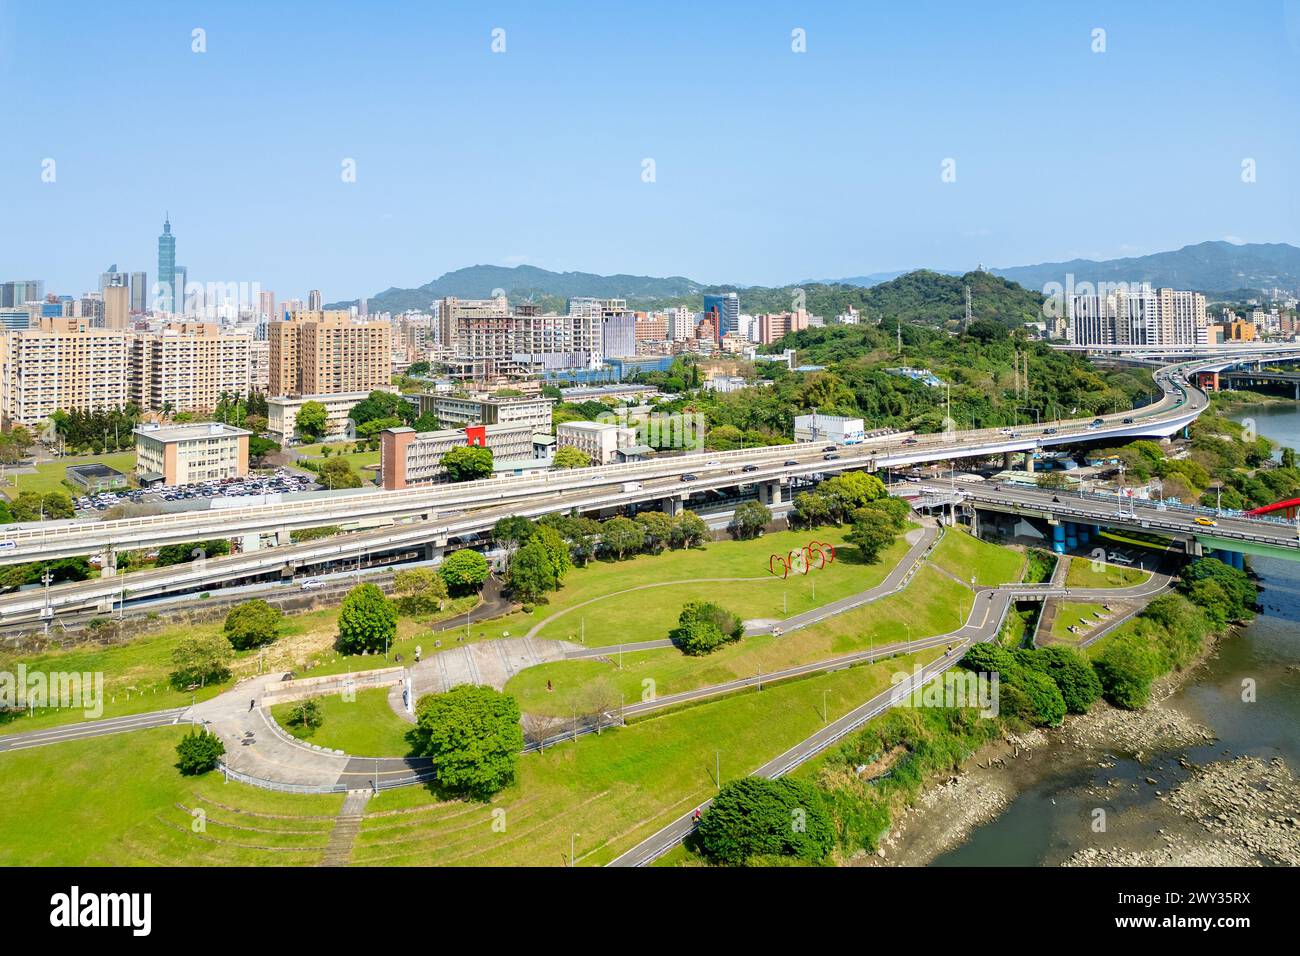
<point x="281" y="482"/>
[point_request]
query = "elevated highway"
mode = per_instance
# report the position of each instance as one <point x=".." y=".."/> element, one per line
<point x="428" y="521"/>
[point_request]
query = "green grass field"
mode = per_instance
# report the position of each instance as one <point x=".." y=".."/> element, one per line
<point x="364" y="727"/>
<point x="49" y="476"/>
<point x="1068" y="615"/>
<point x="931" y="604"/>
<point x="767" y="596"/>
<point x="119" y="801"/>
<point x="136" y="671"/>
<point x="966" y="556"/>
<point x="359" y="460"/>
<point x="617" y="788"/>
<point x="1083" y="575"/>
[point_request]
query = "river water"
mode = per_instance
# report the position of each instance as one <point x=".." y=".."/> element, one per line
<point x="1047" y="821"/>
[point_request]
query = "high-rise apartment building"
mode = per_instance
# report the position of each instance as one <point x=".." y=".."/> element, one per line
<point x="139" y="292"/>
<point x="1137" y="316"/>
<point x="325" y="352"/>
<point x="166" y="296"/>
<point x="728" y="309"/>
<point x="187" y="367"/>
<point x="313" y="300"/>
<point x="61" y="364"/>
<point x="117" y="307"/>
<point x="266" y="304"/>
<point x="453" y="311"/>
<point x="773" y="326"/>
<point x="19" y="292"/>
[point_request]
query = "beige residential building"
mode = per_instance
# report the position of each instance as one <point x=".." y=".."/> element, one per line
<point x="186" y="367"/>
<point x="451" y="312"/>
<point x="117" y="307"/>
<point x="282" y="412"/>
<point x="185" y="454"/>
<point x="62" y="364"/>
<point x="456" y="411"/>
<point x="325" y="352"/>
<point x="604" y="442"/>
<point x="259" y="365"/>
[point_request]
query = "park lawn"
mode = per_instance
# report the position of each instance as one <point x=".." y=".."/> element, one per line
<point x="136" y="671"/>
<point x="1142" y="540"/>
<point x="656" y="609"/>
<point x="119" y="801"/>
<point x="961" y="553"/>
<point x="927" y="606"/>
<point x="364" y="727"/>
<point x="1071" y="614"/>
<point x="617" y="788"/>
<point x="49" y="475"/>
<point x="357" y="459"/>
<point x="1083" y="575"/>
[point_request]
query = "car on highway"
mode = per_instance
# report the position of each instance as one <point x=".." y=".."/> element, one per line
<point x="311" y="584"/>
<point x="910" y="441"/>
<point x="1049" y="431"/>
<point x="831" y="448"/>
<point x="748" y="468"/>
<point x="831" y="457"/>
<point x="689" y="477"/>
<point x="1128" y="421"/>
<point x="1098" y="422"/>
<point x="790" y="463"/>
<point x="714" y="464"/>
<point x="1205" y="522"/>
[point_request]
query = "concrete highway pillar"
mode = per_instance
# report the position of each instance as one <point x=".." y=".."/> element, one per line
<point x="283" y="538"/>
<point x="1006" y="461"/>
<point x="434" y="552"/>
<point x="250" y="542"/>
<point x="1029" y="462"/>
<point x="769" y="493"/>
<point x="672" y="506"/>
<point x="107" y="563"/>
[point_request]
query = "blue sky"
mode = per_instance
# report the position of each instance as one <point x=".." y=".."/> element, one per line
<point x="770" y="166"/>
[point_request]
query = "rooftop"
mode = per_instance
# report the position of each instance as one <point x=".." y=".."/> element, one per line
<point x="170" y="433"/>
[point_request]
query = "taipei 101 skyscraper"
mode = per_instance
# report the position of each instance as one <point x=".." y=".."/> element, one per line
<point x="165" y="299"/>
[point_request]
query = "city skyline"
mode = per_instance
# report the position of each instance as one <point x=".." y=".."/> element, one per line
<point x="822" y="163"/>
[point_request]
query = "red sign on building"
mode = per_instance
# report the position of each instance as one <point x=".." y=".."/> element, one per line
<point x="476" y="435"/>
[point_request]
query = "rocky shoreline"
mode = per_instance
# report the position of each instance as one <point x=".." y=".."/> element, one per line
<point x="1238" y="811"/>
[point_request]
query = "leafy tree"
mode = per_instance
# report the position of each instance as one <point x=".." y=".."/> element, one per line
<point x="1223" y="592"/>
<point x="689" y="530"/>
<point x="622" y="536"/>
<point x="419" y="590"/>
<point x="381" y="405"/>
<point x="872" y="533"/>
<point x="306" y="716"/>
<point x="749" y="519"/>
<point x="658" y="528"/>
<point x="201" y="660"/>
<point x="467" y="463"/>
<point x="463" y="571"/>
<point x="367" y="620"/>
<point x="170" y="554"/>
<point x="259" y="448"/>
<point x="703" y="627"/>
<point x="199" y="751"/>
<point x="428" y="422"/>
<point x="1288" y="457"/>
<point x="252" y="624"/>
<point x="1051" y="480"/>
<point x="569" y="456"/>
<point x="473" y="738"/>
<point x="338" y="473"/>
<point x="755" y="817"/>
<point x="312" y="421"/>
<point x="530" y="574"/>
<point x="512" y="531"/>
<point x="1126" y="669"/>
<point x="557" y="551"/>
<point x="1072" y="673"/>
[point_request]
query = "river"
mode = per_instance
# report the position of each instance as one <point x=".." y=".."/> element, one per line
<point x="1047" y="821"/>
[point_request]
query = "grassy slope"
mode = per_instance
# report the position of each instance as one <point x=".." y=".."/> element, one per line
<point x="618" y="788"/>
<point x="964" y="555"/>
<point x="1069" y="614"/>
<point x="1082" y="575"/>
<point x="72" y="804"/>
<point x="929" y="605"/>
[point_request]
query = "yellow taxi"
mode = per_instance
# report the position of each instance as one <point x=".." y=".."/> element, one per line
<point x="1206" y="522"/>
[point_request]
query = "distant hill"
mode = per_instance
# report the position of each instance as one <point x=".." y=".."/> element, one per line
<point x="529" y="283"/>
<point x="1219" y="269"/>
<point x="875" y="278"/>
